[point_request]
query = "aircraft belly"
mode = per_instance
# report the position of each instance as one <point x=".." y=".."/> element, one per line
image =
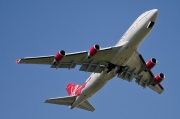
<point x="123" y="56"/>
<point x="97" y="81"/>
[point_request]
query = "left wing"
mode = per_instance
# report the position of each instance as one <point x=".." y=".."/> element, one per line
<point x="95" y="63"/>
<point x="137" y="68"/>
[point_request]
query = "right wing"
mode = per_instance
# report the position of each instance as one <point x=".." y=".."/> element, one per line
<point x="93" y="64"/>
<point x="136" y="68"/>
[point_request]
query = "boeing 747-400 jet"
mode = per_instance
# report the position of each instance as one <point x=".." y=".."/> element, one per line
<point x="122" y="60"/>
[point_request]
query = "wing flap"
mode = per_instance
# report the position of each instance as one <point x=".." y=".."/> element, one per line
<point x="92" y="68"/>
<point x="64" y="65"/>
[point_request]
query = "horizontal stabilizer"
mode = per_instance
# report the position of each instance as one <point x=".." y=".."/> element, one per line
<point x="86" y="105"/>
<point x="68" y="100"/>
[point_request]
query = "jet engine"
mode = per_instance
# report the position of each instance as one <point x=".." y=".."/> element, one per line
<point x="151" y="63"/>
<point x="94" y="49"/>
<point x="158" y="78"/>
<point x="59" y="56"/>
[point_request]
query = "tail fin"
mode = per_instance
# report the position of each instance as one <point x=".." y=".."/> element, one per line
<point x="74" y="89"/>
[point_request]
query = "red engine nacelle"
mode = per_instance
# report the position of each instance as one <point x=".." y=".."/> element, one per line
<point x="59" y="56"/>
<point x="158" y="78"/>
<point x="151" y="63"/>
<point x="93" y="50"/>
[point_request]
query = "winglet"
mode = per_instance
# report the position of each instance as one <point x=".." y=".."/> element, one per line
<point x="17" y="61"/>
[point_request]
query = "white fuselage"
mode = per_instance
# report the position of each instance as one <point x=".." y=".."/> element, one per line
<point x="130" y="42"/>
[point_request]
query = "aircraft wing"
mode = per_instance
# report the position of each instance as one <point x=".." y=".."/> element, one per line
<point x="93" y="64"/>
<point x="136" y="68"/>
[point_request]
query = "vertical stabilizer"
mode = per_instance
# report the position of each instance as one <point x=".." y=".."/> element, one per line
<point x="74" y="89"/>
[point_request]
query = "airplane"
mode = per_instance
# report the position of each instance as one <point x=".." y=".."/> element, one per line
<point x="122" y="60"/>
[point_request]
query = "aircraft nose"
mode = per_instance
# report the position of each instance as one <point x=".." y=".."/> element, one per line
<point x="154" y="14"/>
<point x="155" y="11"/>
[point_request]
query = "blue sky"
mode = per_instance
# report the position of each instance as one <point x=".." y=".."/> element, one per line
<point x="37" y="28"/>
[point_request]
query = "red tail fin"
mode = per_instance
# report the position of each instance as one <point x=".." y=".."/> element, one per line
<point x="74" y="89"/>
